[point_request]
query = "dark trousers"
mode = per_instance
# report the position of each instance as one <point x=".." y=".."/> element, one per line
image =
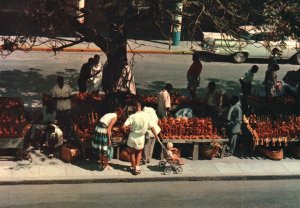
<point x="64" y="121"/>
<point x="232" y="139"/>
<point x="246" y="88"/>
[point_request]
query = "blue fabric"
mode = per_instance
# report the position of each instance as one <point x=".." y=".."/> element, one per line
<point x="185" y="112"/>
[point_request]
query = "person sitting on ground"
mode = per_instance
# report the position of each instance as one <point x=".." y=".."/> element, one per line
<point x="48" y="117"/>
<point x="138" y="124"/>
<point x="164" y="101"/>
<point x="102" y="137"/>
<point x="174" y="157"/>
<point x="54" y="140"/>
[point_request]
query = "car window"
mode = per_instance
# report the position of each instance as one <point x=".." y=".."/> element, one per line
<point x="258" y="37"/>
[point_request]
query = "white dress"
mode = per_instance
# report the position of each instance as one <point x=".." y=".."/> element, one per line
<point x="139" y="124"/>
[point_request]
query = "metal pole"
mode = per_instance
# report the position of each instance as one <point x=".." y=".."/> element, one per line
<point x="177" y="24"/>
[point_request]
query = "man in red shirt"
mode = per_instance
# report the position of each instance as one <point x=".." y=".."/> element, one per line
<point x="193" y="75"/>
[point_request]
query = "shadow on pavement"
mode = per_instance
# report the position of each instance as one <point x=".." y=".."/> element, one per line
<point x="30" y="84"/>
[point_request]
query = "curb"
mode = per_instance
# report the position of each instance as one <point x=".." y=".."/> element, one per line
<point x="128" y="51"/>
<point x="150" y="179"/>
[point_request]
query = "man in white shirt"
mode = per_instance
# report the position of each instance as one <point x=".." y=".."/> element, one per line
<point x="164" y="101"/>
<point x="149" y="136"/>
<point x="138" y="124"/>
<point x="96" y="74"/>
<point x="62" y="94"/>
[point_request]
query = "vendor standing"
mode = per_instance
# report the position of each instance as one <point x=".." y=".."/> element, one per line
<point x="234" y="119"/>
<point x="149" y="136"/>
<point x="246" y="80"/>
<point x="84" y="75"/>
<point x="164" y="101"/>
<point x="271" y="80"/>
<point x="193" y="75"/>
<point x="214" y="104"/>
<point x="62" y="94"/>
<point x="96" y="74"/>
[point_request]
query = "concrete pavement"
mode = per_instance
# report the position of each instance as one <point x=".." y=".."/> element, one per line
<point x="42" y="170"/>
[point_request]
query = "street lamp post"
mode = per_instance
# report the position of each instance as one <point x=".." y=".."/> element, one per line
<point x="177" y="24"/>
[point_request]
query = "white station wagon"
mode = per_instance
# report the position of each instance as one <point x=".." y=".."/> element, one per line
<point x="254" y="45"/>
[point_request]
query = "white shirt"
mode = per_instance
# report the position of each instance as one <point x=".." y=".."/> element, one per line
<point x="96" y="69"/>
<point x="106" y="119"/>
<point x="58" y="134"/>
<point x="139" y="124"/>
<point x="164" y="102"/>
<point x="65" y="91"/>
<point x="153" y="120"/>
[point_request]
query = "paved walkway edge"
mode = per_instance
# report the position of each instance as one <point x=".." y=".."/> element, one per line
<point x="94" y="50"/>
<point x="148" y="179"/>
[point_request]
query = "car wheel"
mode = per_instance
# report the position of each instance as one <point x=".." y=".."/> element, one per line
<point x="239" y="57"/>
<point x="297" y="57"/>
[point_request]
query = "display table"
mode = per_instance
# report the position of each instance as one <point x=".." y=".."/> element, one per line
<point x="13" y="125"/>
<point x="196" y="143"/>
<point x="260" y="104"/>
<point x="12" y="143"/>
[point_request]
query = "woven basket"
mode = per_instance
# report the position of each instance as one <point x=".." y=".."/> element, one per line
<point x="69" y="153"/>
<point x="271" y="154"/>
<point x="125" y="155"/>
<point x="209" y="151"/>
<point x="295" y="150"/>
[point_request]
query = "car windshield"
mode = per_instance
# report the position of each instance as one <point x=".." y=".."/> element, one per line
<point x="264" y="37"/>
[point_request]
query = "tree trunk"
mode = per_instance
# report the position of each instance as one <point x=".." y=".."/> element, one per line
<point x="116" y="62"/>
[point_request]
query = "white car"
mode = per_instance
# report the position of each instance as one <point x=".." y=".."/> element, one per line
<point x="254" y="45"/>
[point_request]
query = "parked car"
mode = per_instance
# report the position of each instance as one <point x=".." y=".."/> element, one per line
<point x="251" y="45"/>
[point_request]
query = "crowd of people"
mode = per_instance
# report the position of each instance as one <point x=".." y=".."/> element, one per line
<point x="54" y="127"/>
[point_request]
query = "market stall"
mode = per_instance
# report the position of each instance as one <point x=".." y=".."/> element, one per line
<point x="270" y="133"/>
<point x="84" y="127"/>
<point x="13" y="125"/>
<point x="193" y="131"/>
<point x="262" y="104"/>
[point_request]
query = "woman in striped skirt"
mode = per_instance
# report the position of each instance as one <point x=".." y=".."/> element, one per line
<point x="102" y="137"/>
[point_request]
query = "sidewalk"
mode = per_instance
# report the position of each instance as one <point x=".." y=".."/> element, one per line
<point x="45" y="171"/>
<point x="136" y="46"/>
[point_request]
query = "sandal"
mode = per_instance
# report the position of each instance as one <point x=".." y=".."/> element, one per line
<point x="26" y="156"/>
<point x="136" y="172"/>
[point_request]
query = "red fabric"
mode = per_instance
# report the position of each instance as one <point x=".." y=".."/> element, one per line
<point x="195" y="69"/>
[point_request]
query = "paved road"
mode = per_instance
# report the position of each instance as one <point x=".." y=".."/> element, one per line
<point x="29" y="74"/>
<point x="213" y="194"/>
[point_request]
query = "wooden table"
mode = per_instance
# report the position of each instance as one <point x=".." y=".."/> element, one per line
<point x="12" y="143"/>
<point x="196" y="143"/>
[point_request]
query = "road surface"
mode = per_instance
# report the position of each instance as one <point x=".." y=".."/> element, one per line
<point x="28" y="75"/>
<point x="213" y="194"/>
